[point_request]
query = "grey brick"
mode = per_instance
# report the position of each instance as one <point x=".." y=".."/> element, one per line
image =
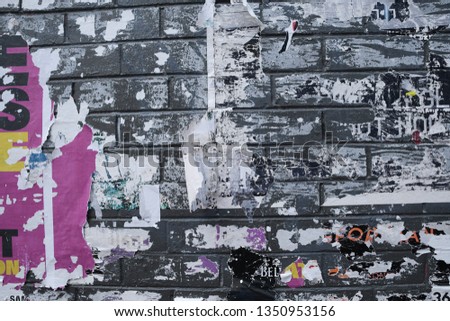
<point x="346" y="125"/>
<point x="181" y="21"/>
<point x="45" y="29"/>
<point x="189" y="92"/>
<point x="294" y="57"/>
<point x="440" y="46"/>
<point x="325" y="89"/>
<point x="432" y="7"/>
<point x="168" y="271"/>
<point x="129" y="24"/>
<point x="271" y="126"/>
<point x="123" y="94"/>
<point x="296" y="235"/>
<point x="174" y="196"/>
<point x="9" y="5"/>
<point x="201" y="271"/>
<point x="122" y="294"/>
<point x="164" y="57"/>
<point x="317" y="161"/>
<point x="87" y="61"/>
<point x="375" y="52"/>
<point x="412" y="271"/>
<point x="33" y="5"/>
<point x="43" y="294"/>
<point x="156" y="129"/>
<point x="152" y="271"/>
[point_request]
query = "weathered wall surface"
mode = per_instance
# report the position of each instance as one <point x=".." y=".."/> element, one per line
<point x="301" y="147"/>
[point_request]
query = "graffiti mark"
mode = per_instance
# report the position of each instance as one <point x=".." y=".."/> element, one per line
<point x="289" y="35"/>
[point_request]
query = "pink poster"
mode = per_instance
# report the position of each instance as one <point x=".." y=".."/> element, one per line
<point x="43" y="194"/>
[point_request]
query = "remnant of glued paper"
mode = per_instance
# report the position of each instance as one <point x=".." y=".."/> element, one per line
<point x="46" y="195"/>
<point x="150" y="205"/>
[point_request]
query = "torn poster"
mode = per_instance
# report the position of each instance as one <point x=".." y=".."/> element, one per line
<point x="43" y="194"/>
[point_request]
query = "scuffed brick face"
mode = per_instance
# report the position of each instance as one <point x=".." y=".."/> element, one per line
<point x="239" y="157"/>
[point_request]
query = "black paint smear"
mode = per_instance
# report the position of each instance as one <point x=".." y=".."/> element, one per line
<point x="403" y="297"/>
<point x="352" y="248"/>
<point x="246" y="267"/>
<point x="391" y="90"/>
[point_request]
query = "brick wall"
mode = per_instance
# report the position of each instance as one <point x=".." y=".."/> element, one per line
<point x="319" y="97"/>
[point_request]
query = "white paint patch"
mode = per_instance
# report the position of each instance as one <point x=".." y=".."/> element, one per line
<point x="114" y="27"/>
<point x="34" y="222"/>
<point x="86" y="25"/>
<point x="162" y="58"/>
<point x="140" y="95"/>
